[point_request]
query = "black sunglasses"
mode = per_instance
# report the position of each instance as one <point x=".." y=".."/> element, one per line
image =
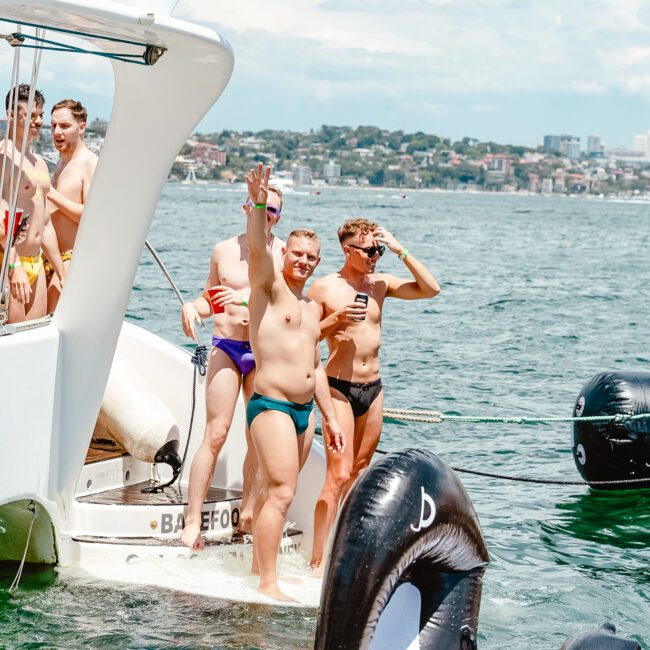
<point x="370" y="251"/>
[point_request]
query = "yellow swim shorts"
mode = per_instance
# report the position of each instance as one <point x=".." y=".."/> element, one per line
<point x="49" y="269"/>
<point x="32" y="266"/>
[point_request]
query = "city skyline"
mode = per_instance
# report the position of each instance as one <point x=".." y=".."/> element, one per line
<point x="506" y="71"/>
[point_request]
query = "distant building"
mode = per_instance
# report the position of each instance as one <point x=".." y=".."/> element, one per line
<point x="594" y="146"/>
<point x="332" y="172"/>
<point x="209" y="154"/>
<point x="534" y="184"/>
<point x="98" y="126"/>
<point x="552" y="143"/>
<point x="498" y="168"/>
<point x="302" y="175"/>
<point x="547" y="186"/>
<point x="570" y="146"/>
<point x="642" y="143"/>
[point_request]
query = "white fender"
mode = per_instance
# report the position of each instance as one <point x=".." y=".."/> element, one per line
<point x="133" y="414"/>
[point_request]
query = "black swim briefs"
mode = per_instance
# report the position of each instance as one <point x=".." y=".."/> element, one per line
<point x="360" y="396"/>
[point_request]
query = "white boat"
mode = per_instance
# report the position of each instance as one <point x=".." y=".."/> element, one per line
<point x="64" y="499"/>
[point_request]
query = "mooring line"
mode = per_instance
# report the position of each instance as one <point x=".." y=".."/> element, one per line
<point x="14" y="585"/>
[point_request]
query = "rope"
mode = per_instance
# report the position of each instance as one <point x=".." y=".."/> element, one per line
<point x="163" y="268"/>
<point x="199" y="361"/>
<point x="14" y="585"/>
<point x="525" y="479"/>
<point x="435" y="417"/>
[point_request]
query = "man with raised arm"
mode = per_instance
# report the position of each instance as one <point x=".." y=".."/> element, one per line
<point x="285" y="336"/>
<point x="353" y="333"/>
<point x="28" y="298"/>
<point x="231" y="365"/>
<point x="70" y="185"/>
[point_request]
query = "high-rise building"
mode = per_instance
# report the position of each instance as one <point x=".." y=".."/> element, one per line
<point x="594" y="146"/>
<point x="570" y="146"/>
<point x="641" y="143"/>
<point x="551" y="143"/>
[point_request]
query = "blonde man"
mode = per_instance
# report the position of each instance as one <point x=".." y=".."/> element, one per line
<point x="285" y="336"/>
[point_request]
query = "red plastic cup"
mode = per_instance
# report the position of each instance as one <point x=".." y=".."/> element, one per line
<point x="213" y="296"/>
<point x="17" y="220"/>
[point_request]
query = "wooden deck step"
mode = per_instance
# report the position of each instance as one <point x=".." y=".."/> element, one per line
<point x="176" y="495"/>
<point x="104" y="450"/>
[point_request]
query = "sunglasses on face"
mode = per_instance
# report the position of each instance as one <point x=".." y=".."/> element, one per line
<point x="370" y="251"/>
<point x="270" y="209"/>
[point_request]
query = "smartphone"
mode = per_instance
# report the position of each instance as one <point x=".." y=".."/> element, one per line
<point x="362" y="297"/>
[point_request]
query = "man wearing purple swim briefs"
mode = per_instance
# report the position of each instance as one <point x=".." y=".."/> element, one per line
<point x="231" y="366"/>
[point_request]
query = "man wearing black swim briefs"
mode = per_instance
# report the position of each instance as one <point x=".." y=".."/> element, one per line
<point x="353" y="333"/>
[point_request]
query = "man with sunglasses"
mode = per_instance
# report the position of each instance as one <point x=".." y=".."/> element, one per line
<point x="353" y="332"/>
<point x="231" y="365"/>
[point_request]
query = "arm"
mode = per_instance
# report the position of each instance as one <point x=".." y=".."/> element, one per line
<point x="68" y="208"/>
<point x="261" y="268"/>
<point x="199" y="308"/>
<point x="424" y="286"/>
<point x="18" y="281"/>
<point x="351" y="313"/>
<point x="335" y="439"/>
<point x="51" y="248"/>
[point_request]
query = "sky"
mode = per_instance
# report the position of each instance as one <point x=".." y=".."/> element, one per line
<point x="510" y="71"/>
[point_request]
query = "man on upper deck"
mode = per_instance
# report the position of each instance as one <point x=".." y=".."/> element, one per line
<point x="26" y="277"/>
<point x="353" y="333"/>
<point x="70" y="184"/>
<point x="285" y="336"/>
<point x="231" y="365"/>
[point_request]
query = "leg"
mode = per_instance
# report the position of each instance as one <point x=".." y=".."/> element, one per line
<point x="54" y="289"/>
<point x="222" y="389"/>
<point x="278" y="451"/>
<point x="367" y="429"/>
<point x="37" y="306"/>
<point x="252" y="479"/>
<point x="337" y="475"/>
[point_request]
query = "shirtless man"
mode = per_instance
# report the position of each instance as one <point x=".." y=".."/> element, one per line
<point x="231" y="365"/>
<point x="70" y="184"/>
<point x="26" y="277"/>
<point x="285" y="336"/>
<point x="353" y="334"/>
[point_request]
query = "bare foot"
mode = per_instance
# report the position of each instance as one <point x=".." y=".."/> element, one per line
<point x="317" y="569"/>
<point x="291" y="580"/>
<point x="275" y="593"/>
<point x="191" y="537"/>
<point x="245" y="524"/>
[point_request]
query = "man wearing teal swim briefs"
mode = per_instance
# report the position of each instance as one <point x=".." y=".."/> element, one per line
<point x="285" y="337"/>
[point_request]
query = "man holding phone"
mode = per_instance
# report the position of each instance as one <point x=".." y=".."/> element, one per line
<point x="231" y="366"/>
<point x="351" y="302"/>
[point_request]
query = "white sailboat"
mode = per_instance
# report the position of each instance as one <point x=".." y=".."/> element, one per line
<point x="63" y="499"/>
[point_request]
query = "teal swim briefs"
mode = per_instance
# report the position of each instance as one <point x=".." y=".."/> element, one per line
<point x="299" y="413"/>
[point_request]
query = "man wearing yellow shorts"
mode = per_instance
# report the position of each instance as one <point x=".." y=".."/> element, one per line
<point x="28" y="298"/>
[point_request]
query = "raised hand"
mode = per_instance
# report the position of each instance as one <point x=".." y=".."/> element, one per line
<point x="384" y="237"/>
<point x="258" y="184"/>
<point x="352" y="313"/>
<point x="227" y="296"/>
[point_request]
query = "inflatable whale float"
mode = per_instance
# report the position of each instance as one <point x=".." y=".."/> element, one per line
<point x="405" y="569"/>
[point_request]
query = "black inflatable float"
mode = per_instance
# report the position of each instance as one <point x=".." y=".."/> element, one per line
<point x="601" y="639"/>
<point x="407" y="520"/>
<point x="613" y="451"/>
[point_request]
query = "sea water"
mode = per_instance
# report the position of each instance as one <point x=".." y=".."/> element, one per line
<point x="538" y="295"/>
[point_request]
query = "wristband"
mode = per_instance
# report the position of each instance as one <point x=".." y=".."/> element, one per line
<point x="15" y="264"/>
<point x="244" y="303"/>
<point x="404" y="254"/>
<point x="259" y="206"/>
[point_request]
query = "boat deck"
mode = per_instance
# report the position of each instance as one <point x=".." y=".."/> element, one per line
<point x="177" y="495"/>
<point x="104" y="450"/>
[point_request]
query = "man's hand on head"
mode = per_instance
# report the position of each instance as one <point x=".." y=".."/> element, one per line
<point x="384" y="237"/>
